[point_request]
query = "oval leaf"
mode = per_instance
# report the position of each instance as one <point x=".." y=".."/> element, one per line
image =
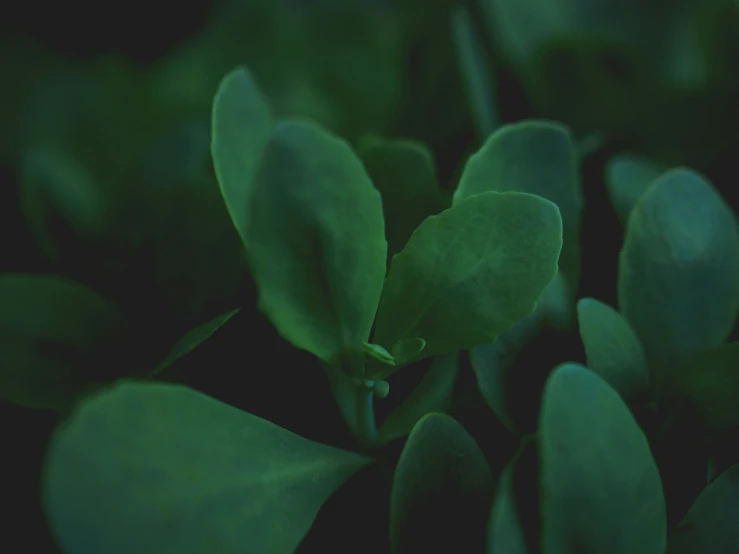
<point x="316" y="241"/>
<point x="405" y="174"/>
<point x="241" y="125"/>
<point x="538" y="157"/>
<point x="432" y="394"/>
<point x="182" y="472"/>
<point x="627" y="178"/>
<point x="505" y="532"/>
<point x="471" y="272"/>
<point x="442" y="490"/>
<point x="612" y="348"/>
<point x="600" y="487"/>
<point x="712" y="523"/>
<point x="710" y="386"/>
<point x="678" y="282"/>
<point x="57" y="338"/>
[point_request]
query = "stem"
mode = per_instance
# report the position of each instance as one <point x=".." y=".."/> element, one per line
<point x="366" y="424"/>
<point x="476" y="72"/>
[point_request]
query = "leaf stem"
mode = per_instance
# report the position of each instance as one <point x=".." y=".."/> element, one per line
<point x="366" y="424"/>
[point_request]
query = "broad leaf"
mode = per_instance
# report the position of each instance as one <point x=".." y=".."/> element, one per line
<point x="442" y="490"/>
<point x="471" y="272"/>
<point x="491" y="363"/>
<point x="183" y="473"/>
<point x="405" y="174"/>
<point x="678" y="281"/>
<point x="193" y="339"/>
<point x="710" y="387"/>
<point x="712" y="523"/>
<point x="316" y="241"/>
<point x="612" y="349"/>
<point x="627" y="178"/>
<point x="432" y="394"/>
<point x="241" y="127"/>
<point x="538" y="157"/>
<point x="505" y="532"/>
<point x="600" y="487"/>
<point x="57" y="338"/>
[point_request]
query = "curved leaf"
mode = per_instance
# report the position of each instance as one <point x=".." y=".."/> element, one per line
<point x="612" y="348"/>
<point x="712" y="523"/>
<point x="710" y="386"/>
<point x="316" y="241"/>
<point x="404" y="173"/>
<point x="442" y="490"/>
<point x="432" y="394"/>
<point x="600" y="487"/>
<point x="470" y="273"/>
<point x="180" y="472"/>
<point x="57" y="338"/>
<point x="678" y="281"/>
<point x="627" y="178"/>
<point x="241" y="126"/>
<point x="537" y="157"/>
<point x="505" y="532"/>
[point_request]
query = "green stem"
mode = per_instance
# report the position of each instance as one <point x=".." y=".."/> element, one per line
<point x="366" y="424"/>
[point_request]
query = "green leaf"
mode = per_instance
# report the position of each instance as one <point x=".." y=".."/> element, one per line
<point x="183" y="473"/>
<point x="198" y="257"/>
<point x="678" y="281"/>
<point x="378" y="353"/>
<point x="57" y="339"/>
<point x="612" y="348"/>
<point x="193" y="339"/>
<point x="709" y="385"/>
<point x="712" y="523"/>
<point x="491" y="363"/>
<point x="432" y="394"/>
<point x="600" y="487"/>
<point x="470" y="273"/>
<point x="404" y="173"/>
<point x="406" y="350"/>
<point x="241" y="126"/>
<point x="442" y="490"/>
<point x="505" y="532"/>
<point x="627" y="178"/>
<point x="316" y="241"/>
<point x="476" y="72"/>
<point x="537" y="157"/>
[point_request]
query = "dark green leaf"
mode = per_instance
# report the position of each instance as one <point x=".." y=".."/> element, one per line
<point x="537" y="157"/>
<point x="57" y="338"/>
<point x="709" y="385"/>
<point x="600" y="487"/>
<point x="442" y="490"/>
<point x="241" y="126"/>
<point x="612" y="348"/>
<point x="378" y="353"/>
<point x="193" y="339"/>
<point x="712" y="523"/>
<point x="491" y="363"/>
<point x="627" y="178"/>
<point x="476" y="72"/>
<point x="505" y="532"/>
<point x="678" y="282"/>
<point x="316" y="241"/>
<point x="471" y="272"/>
<point x="183" y="473"/>
<point x="406" y="350"/>
<point x="404" y="173"/>
<point x="432" y="394"/>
